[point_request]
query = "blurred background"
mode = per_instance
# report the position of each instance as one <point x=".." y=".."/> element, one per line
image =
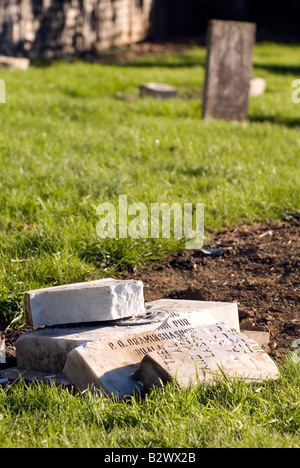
<point x="52" y="28"/>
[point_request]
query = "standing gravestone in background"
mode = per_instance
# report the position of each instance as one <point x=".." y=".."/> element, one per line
<point x="228" y="70"/>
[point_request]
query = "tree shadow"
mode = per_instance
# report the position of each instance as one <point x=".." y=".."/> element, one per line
<point x="279" y="69"/>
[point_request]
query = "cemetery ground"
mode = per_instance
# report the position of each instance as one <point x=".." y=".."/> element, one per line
<point x="74" y="135"/>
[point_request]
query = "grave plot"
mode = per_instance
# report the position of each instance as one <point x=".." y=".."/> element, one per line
<point x="130" y="344"/>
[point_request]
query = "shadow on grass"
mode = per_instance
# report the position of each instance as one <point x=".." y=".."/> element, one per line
<point x="119" y="58"/>
<point x="279" y="69"/>
<point x="291" y="122"/>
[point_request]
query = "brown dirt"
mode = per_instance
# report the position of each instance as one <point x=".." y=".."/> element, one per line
<point x="258" y="268"/>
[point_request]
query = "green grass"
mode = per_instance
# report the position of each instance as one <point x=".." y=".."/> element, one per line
<point x="68" y="144"/>
<point x="231" y="414"/>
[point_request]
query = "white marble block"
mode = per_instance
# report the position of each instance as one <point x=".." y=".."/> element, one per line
<point x="95" y="301"/>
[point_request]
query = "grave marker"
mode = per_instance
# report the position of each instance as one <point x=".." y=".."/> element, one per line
<point x="113" y="365"/>
<point x="228" y="70"/>
<point x="158" y="90"/>
<point x="46" y="350"/>
<point x="204" y="354"/>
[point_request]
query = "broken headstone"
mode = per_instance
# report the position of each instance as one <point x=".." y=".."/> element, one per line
<point x="46" y="350"/>
<point x="202" y="356"/>
<point x="124" y="366"/>
<point x="228" y="70"/>
<point x="94" y="301"/>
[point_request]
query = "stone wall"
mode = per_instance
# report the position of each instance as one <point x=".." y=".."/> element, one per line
<point x="64" y="27"/>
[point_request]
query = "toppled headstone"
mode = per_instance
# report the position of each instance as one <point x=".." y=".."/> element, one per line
<point x="124" y="366"/>
<point x="158" y="90"/>
<point x="47" y="349"/>
<point x="203" y="355"/>
<point x="228" y="70"/>
<point x="94" y="301"/>
<point x="2" y="351"/>
<point x="15" y="63"/>
<point x="109" y="364"/>
<point x="257" y="87"/>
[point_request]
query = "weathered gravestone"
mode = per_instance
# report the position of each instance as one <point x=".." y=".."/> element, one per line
<point x="203" y="355"/>
<point x="113" y="365"/>
<point x="109" y="363"/>
<point x="228" y="70"/>
<point x="46" y="350"/>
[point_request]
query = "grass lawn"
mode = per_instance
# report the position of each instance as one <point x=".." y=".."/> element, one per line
<point x="67" y="144"/>
<point x="228" y="415"/>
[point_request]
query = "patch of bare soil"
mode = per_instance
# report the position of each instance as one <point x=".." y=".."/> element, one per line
<point x="257" y="267"/>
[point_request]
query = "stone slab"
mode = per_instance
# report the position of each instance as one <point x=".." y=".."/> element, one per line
<point x="202" y="356"/>
<point x="2" y="351"/>
<point x="94" y="301"/>
<point x="262" y="338"/>
<point x="157" y="90"/>
<point x="257" y="87"/>
<point x="14" y="63"/>
<point x="228" y="70"/>
<point x="47" y="349"/>
<point x="222" y="312"/>
<point x="121" y="367"/>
